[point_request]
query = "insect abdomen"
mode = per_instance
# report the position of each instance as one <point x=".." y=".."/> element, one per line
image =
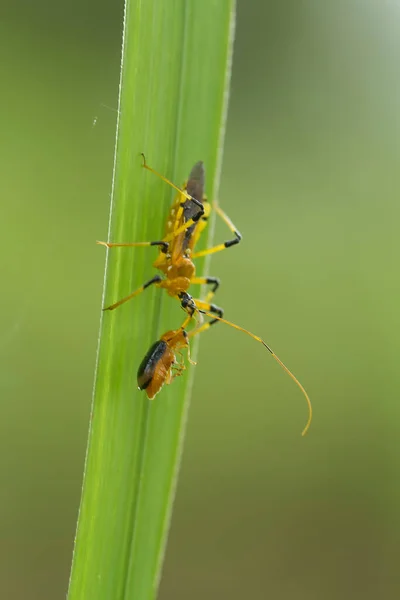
<point x="149" y="364"/>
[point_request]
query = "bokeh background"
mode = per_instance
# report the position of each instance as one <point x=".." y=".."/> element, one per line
<point x="311" y="178"/>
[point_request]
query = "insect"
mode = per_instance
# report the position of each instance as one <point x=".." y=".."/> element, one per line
<point x="160" y="366"/>
<point x="186" y="221"/>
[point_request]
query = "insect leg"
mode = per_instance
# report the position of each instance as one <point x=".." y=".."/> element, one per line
<point x="213" y="281"/>
<point x="179" y="367"/>
<point x="187" y="224"/>
<point x="208" y="324"/>
<point x="227" y="244"/>
<point x="153" y="281"/>
<point x="202" y="305"/>
<point x="161" y="243"/>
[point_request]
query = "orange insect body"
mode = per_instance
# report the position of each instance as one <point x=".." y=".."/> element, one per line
<point x="176" y="264"/>
<point x="160" y="366"/>
<point x="186" y="220"/>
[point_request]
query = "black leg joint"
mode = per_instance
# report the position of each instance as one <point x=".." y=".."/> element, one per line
<point x="198" y="215"/>
<point x="235" y="241"/>
<point x="214" y="281"/>
<point x="218" y="311"/>
<point x="164" y="246"/>
<point x="155" y="279"/>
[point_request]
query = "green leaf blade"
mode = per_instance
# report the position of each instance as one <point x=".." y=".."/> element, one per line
<point x="172" y="107"/>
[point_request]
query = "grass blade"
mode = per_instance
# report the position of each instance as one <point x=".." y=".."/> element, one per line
<point x="173" y="95"/>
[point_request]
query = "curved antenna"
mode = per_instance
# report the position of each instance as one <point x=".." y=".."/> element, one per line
<point x="278" y="360"/>
<point x="183" y="192"/>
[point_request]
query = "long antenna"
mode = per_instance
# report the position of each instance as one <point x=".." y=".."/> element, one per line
<point x="278" y="360"/>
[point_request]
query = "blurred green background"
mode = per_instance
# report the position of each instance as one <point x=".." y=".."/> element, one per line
<point x="311" y="179"/>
